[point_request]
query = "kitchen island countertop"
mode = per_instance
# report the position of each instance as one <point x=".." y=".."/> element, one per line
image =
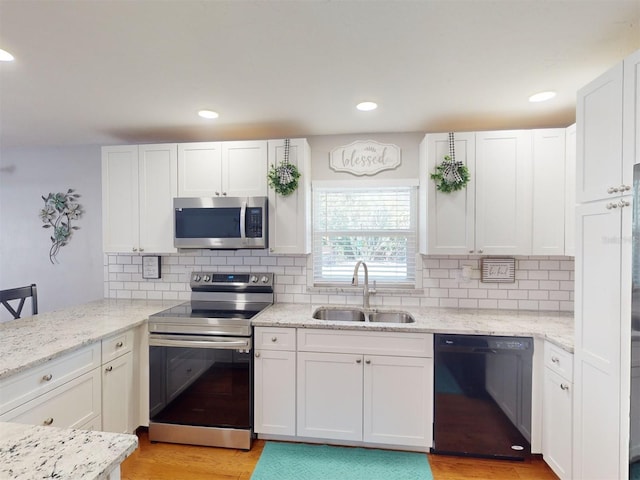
<point x="556" y="327"/>
<point x="29" y="452"/>
<point x="30" y="341"/>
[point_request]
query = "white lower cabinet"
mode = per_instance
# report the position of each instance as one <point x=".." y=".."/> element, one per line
<point x="117" y="387"/>
<point x="275" y="381"/>
<point x="380" y="390"/>
<point x="557" y="410"/>
<point x="71" y="405"/>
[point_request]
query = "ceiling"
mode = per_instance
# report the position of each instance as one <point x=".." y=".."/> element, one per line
<point x="114" y="71"/>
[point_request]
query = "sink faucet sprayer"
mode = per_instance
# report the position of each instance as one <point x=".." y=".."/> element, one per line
<point x="354" y="282"/>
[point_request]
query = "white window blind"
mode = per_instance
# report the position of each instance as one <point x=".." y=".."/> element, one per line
<point x="375" y="224"/>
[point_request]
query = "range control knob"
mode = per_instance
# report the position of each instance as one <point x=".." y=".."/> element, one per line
<point x="196" y="278"/>
<point x="206" y="278"/>
<point x="253" y="279"/>
<point x="264" y="279"/>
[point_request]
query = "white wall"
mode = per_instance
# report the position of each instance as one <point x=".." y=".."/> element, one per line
<point x="25" y="176"/>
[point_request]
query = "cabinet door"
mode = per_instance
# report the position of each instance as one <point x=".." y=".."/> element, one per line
<point x="329" y="396"/>
<point x="398" y="400"/>
<point x="599" y="136"/>
<point x="244" y="169"/>
<point x="556" y="423"/>
<point x="290" y="216"/>
<point x="570" y="191"/>
<point x="631" y="121"/>
<point x="158" y="167"/>
<point x="503" y="192"/>
<point x="447" y="218"/>
<point x="120" y="198"/>
<point x="199" y="169"/>
<point x="548" y="191"/>
<point x="275" y="392"/>
<point x="71" y="405"/>
<point x="117" y="402"/>
<point x="602" y="298"/>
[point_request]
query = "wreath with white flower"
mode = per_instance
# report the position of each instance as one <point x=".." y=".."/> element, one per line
<point x="451" y="175"/>
<point x="284" y="177"/>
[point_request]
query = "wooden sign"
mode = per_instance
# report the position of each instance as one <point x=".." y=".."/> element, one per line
<point x="365" y="157"/>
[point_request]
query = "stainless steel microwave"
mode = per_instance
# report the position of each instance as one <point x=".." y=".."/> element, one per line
<point x="229" y="223"/>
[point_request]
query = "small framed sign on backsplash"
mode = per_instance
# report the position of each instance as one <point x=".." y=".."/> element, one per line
<point x="498" y="270"/>
<point x="151" y="266"/>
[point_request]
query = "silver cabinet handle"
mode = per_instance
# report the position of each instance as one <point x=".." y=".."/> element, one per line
<point x="274" y="339"/>
<point x="624" y="188"/>
<point x="470" y="251"/>
<point x="109" y="368"/>
<point x="47" y="377"/>
<point x="555" y="359"/>
<point x="624" y="203"/>
<point x="48" y="421"/>
<point x="359" y="360"/>
<point x="119" y="345"/>
<point x="480" y="251"/>
<point x="142" y="249"/>
<point x="612" y="190"/>
<point x="134" y="249"/>
<point x="257" y="354"/>
<point x="367" y="362"/>
<point x="611" y="205"/>
<point x="564" y="386"/>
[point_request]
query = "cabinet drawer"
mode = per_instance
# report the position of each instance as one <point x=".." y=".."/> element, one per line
<point x="27" y="385"/>
<point x="401" y="344"/>
<point x="71" y="405"/>
<point x="117" y="345"/>
<point x="559" y="361"/>
<point x="274" y="338"/>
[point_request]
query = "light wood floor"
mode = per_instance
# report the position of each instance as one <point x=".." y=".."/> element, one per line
<point x="164" y="461"/>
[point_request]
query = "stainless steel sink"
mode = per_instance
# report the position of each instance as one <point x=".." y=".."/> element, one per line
<point x="339" y="314"/>
<point x="359" y="315"/>
<point x="391" y="317"/>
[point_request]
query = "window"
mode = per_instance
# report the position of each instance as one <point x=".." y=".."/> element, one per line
<point x="376" y="224"/>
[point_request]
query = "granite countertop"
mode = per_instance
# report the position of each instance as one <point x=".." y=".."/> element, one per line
<point x="31" y="452"/>
<point x="30" y="341"/>
<point x="553" y="326"/>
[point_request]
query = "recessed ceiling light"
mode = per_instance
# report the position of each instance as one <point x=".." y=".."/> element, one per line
<point x="5" y="56"/>
<point x="367" y="106"/>
<point x="208" y="114"/>
<point x="542" y="97"/>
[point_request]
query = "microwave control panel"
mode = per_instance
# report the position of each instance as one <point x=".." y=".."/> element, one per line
<point x="253" y="223"/>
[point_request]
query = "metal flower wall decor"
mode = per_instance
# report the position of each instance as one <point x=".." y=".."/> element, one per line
<point x="58" y="212"/>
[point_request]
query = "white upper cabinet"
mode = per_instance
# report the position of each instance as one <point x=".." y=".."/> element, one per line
<point x="449" y="218"/>
<point x="199" y="167"/>
<point x="138" y="186"/>
<point x="600" y="172"/>
<point x="570" y="191"/>
<point x="290" y="216"/>
<point x="215" y="169"/>
<point x="503" y="192"/>
<point x="549" y="200"/>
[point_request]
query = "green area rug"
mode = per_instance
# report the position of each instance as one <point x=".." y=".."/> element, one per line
<point x="298" y="461"/>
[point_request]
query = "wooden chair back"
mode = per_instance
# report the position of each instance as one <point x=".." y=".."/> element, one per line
<point x="20" y="294"/>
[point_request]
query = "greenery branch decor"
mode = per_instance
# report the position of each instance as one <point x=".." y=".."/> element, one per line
<point x="284" y="177"/>
<point x="58" y="212"/>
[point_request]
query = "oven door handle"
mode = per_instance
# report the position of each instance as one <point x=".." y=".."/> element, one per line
<point x="198" y="342"/>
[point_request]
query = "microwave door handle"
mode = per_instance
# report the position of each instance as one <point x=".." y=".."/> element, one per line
<point x="243" y="217"/>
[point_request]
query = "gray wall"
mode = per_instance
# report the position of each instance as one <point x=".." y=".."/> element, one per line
<point x="27" y="174"/>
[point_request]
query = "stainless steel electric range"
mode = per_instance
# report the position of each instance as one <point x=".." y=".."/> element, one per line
<point x="201" y="361"/>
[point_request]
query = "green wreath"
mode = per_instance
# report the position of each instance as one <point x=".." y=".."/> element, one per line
<point x="284" y="178"/>
<point x="451" y="175"/>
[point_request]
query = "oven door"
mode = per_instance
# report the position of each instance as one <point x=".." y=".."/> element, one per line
<point x="200" y="390"/>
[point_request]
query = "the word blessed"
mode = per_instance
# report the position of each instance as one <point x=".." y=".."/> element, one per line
<point x="365" y="157"/>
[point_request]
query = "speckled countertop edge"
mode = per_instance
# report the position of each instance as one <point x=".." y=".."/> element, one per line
<point x="31" y="341"/>
<point x="557" y="327"/>
<point x="29" y="452"/>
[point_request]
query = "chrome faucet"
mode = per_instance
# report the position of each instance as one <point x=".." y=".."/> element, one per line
<point x="354" y="282"/>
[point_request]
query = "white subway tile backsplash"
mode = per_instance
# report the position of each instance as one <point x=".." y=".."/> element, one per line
<point x="542" y="283"/>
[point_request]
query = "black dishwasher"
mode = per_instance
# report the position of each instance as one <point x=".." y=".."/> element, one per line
<point x="482" y="399"/>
